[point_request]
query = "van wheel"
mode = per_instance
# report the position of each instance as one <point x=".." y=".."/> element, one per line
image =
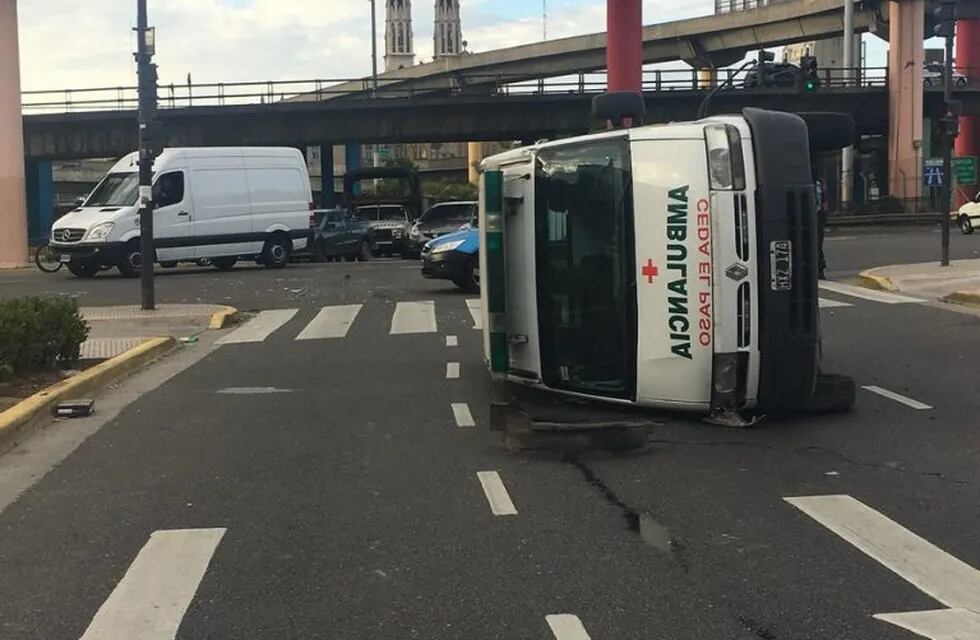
<point x="83" y="269"/>
<point x="224" y="264"/>
<point x="364" y="252"/>
<point x="966" y="225"/>
<point x="130" y="261"/>
<point x="275" y="255"/>
<point x="169" y="264"/>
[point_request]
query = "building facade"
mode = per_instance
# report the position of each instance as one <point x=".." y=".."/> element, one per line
<point x="399" y="42"/>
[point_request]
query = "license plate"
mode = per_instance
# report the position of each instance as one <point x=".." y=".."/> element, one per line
<point x="65" y="259"/>
<point x="781" y="265"/>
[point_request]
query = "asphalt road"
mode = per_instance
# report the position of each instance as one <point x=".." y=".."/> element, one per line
<point x="322" y="488"/>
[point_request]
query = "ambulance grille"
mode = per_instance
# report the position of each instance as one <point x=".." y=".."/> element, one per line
<point x="744" y="315"/>
<point x="742" y="227"/>
<point x="800" y="221"/>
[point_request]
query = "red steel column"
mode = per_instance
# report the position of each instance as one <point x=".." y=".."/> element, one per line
<point x="624" y="48"/>
<point x="968" y="63"/>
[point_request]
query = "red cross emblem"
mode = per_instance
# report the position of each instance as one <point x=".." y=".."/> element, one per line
<point x="650" y="271"/>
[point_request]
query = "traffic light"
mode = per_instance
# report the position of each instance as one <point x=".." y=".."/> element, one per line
<point x="945" y="16"/>
<point x="810" y="73"/>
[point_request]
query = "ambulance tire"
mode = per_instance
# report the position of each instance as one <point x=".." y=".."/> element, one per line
<point x="833" y="394"/>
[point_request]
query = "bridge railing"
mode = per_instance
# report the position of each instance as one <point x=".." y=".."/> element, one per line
<point x="177" y="96"/>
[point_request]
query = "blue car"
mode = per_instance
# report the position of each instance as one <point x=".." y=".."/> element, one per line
<point x="454" y="257"/>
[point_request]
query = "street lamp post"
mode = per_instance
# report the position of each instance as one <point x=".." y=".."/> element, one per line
<point x="149" y="131"/>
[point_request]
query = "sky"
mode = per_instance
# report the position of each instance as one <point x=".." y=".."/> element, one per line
<point x="72" y="44"/>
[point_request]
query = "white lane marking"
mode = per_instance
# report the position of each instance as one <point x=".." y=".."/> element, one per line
<point x="260" y="327"/>
<point x="827" y="303"/>
<point x="565" y="626"/>
<point x="940" y="624"/>
<point x="461" y="411"/>
<point x="897" y="397"/>
<point x="452" y="370"/>
<point x="476" y="311"/>
<point x="414" y="317"/>
<point x="452" y="341"/>
<point x="151" y="599"/>
<point x="331" y="322"/>
<point x="927" y="567"/>
<point x="252" y="391"/>
<point x="867" y="294"/>
<point x="496" y="493"/>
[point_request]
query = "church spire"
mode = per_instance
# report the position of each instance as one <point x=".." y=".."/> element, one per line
<point x="399" y="45"/>
<point x="448" y="37"/>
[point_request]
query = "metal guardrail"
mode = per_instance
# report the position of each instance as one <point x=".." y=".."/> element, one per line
<point x="176" y="96"/>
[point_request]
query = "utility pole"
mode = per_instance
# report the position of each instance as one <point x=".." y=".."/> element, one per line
<point x="374" y="47"/>
<point x="150" y="144"/>
<point x="946" y="28"/>
<point x="847" y="154"/>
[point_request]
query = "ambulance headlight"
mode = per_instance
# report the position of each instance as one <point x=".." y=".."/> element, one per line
<point x="726" y="166"/>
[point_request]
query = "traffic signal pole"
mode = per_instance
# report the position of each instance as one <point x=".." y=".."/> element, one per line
<point x="946" y="28"/>
<point x="847" y="155"/>
<point x="146" y="71"/>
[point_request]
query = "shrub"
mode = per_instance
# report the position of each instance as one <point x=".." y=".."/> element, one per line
<point x="36" y="332"/>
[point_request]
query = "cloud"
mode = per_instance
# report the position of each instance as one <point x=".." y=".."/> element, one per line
<point x="69" y="44"/>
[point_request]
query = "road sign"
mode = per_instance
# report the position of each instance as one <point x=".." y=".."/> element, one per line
<point x="933" y="176"/>
<point x="965" y="170"/>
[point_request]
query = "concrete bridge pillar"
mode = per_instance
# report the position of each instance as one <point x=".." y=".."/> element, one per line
<point x="624" y="45"/>
<point x="13" y="205"/>
<point x="40" y="199"/>
<point x="906" y="56"/>
<point x="968" y="62"/>
<point x="328" y="198"/>
<point x="354" y="156"/>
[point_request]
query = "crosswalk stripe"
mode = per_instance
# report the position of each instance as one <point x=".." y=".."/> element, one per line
<point x="414" y="317"/>
<point x="945" y="624"/>
<point x="151" y="599"/>
<point x="496" y="493"/>
<point x="260" y="327"/>
<point x="452" y="341"/>
<point x="933" y="571"/>
<point x="867" y="294"/>
<point x="452" y="370"/>
<point x="461" y="412"/>
<point x="565" y="626"/>
<point x="476" y="312"/>
<point x="827" y="303"/>
<point x="331" y="322"/>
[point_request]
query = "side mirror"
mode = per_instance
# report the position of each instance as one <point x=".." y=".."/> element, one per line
<point x="79" y="201"/>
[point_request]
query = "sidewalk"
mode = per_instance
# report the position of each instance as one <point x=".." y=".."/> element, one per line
<point x="114" y="330"/>
<point x="959" y="282"/>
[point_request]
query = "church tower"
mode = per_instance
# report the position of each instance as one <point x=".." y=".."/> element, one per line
<point x="399" y="46"/>
<point x="447" y="36"/>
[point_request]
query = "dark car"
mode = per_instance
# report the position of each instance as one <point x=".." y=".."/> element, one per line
<point x="439" y="220"/>
<point x="388" y="223"/>
<point x="340" y="234"/>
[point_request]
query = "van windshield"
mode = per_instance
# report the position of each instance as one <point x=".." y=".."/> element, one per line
<point x="115" y="190"/>
<point x="585" y="268"/>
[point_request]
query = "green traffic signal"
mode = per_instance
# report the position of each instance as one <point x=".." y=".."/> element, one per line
<point x="811" y="86"/>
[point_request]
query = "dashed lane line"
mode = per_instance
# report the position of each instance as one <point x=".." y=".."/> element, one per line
<point x="897" y="397"/>
<point x="452" y="370"/>
<point x="452" y="341"/>
<point x="566" y="626"/>
<point x="461" y="412"/>
<point x="496" y="493"/>
<point x="151" y="599"/>
<point x="867" y="294"/>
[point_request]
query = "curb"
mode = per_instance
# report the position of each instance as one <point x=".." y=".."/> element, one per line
<point x="966" y="298"/>
<point x="223" y="318"/>
<point x="870" y="280"/>
<point x="85" y="382"/>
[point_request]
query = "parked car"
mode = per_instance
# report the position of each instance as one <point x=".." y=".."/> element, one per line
<point x="338" y="233"/>
<point x="388" y="223"/>
<point x="968" y="217"/>
<point x="443" y="218"/>
<point x="220" y="204"/>
<point x="934" y="74"/>
<point x="455" y="257"/>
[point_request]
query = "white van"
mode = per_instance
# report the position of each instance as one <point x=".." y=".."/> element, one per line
<point x="221" y="204"/>
<point x="667" y="266"/>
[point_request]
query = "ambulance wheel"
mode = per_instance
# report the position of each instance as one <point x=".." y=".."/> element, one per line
<point x="966" y="225"/>
<point x="833" y="394"/>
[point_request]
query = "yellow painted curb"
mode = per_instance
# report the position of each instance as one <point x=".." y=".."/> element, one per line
<point x="85" y="382"/>
<point x="870" y="280"/>
<point x="967" y="298"/>
<point x="223" y="318"/>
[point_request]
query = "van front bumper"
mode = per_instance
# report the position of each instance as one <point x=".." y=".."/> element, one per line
<point x="103" y="253"/>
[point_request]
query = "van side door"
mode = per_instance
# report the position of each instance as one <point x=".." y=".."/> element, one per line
<point x="222" y="216"/>
<point x="173" y="229"/>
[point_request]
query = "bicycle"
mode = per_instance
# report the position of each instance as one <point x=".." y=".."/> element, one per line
<point x="47" y="259"/>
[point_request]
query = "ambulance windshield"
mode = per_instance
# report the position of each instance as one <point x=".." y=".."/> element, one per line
<point x="585" y="275"/>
